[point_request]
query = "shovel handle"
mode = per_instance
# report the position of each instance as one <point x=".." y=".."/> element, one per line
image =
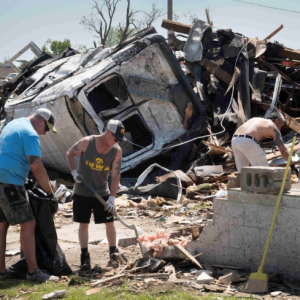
<point x="103" y="202"/>
<point x="133" y="227"/>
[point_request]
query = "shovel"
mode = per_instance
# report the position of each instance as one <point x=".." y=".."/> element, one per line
<point x="138" y="231"/>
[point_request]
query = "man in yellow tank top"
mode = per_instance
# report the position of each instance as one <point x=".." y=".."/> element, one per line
<point x="99" y="155"/>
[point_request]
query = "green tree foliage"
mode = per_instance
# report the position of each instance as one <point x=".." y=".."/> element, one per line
<point x="115" y="35"/>
<point x="56" y="47"/>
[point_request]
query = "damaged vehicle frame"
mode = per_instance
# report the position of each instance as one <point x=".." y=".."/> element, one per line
<point x="138" y="82"/>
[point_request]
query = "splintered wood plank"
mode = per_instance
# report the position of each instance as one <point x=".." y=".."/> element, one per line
<point x="102" y="281"/>
<point x="218" y="148"/>
<point x="291" y="122"/>
<point x="188" y="255"/>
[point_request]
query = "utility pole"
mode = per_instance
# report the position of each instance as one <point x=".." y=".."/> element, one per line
<point x="170" y="9"/>
<point x="170" y="17"/>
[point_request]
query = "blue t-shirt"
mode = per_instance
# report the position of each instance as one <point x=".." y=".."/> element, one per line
<point x="17" y="140"/>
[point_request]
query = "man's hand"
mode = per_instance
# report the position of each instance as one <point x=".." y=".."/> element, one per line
<point x="77" y="177"/>
<point x="52" y="198"/>
<point x="111" y="204"/>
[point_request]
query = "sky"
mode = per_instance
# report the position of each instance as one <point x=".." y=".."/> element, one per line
<point x="23" y="21"/>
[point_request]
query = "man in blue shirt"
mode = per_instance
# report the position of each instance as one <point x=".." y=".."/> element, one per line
<point x="20" y="152"/>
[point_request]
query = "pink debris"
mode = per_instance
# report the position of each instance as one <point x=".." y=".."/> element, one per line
<point x="159" y="241"/>
<point x="183" y="243"/>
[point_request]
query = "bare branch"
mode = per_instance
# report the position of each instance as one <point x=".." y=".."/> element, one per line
<point x="101" y="18"/>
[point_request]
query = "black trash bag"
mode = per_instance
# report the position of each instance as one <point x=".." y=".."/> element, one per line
<point x="49" y="255"/>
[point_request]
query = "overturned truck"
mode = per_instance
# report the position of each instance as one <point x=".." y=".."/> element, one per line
<point x="139" y="82"/>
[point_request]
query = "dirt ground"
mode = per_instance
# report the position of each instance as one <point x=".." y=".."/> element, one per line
<point x="67" y="232"/>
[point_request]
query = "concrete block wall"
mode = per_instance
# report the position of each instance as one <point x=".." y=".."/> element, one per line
<point x="238" y="233"/>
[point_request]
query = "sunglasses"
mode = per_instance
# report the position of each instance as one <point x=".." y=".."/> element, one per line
<point x="46" y="126"/>
<point x="114" y="137"/>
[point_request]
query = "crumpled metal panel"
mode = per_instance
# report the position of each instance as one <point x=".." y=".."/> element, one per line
<point x="97" y="56"/>
<point x="193" y="47"/>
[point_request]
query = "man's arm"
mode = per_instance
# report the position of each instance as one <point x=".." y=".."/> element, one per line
<point x="75" y="150"/>
<point x="115" y="173"/>
<point x="277" y="137"/>
<point x="40" y="173"/>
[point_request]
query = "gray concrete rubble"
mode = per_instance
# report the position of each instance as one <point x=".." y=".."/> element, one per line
<point x="264" y="179"/>
<point x="238" y="233"/>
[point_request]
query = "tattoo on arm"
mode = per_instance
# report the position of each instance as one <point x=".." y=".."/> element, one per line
<point x="75" y="147"/>
<point x="118" y="168"/>
<point x="278" y="138"/>
<point x="33" y="159"/>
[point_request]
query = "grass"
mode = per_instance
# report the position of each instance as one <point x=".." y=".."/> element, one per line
<point x="16" y="289"/>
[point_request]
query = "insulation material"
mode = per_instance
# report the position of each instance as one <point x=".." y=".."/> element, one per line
<point x="159" y="241"/>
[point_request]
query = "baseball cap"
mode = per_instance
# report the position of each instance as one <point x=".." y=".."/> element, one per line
<point x="48" y="116"/>
<point x="118" y="129"/>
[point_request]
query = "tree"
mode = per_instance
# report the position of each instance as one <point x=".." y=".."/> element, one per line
<point x="191" y="16"/>
<point x="56" y="47"/>
<point x="114" y="35"/>
<point x="100" y="21"/>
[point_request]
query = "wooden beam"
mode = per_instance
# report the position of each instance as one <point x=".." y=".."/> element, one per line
<point x="176" y="26"/>
<point x="291" y="122"/>
<point x="273" y="33"/>
<point x="289" y="53"/>
<point x="278" y="154"/>
<point x="214" y="69"/>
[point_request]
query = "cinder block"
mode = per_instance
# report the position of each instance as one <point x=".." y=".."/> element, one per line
<point x="264" y="179"/>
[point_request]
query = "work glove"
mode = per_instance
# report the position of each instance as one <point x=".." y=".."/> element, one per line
<point x="77" y="177"/>
<point x="111" y="204"/>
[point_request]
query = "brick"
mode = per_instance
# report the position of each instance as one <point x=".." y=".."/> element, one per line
<point x="264" y="179"/>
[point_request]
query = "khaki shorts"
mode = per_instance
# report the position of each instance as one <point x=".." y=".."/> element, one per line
<point x="14" y="204"/>
<point x="247" y="151"/>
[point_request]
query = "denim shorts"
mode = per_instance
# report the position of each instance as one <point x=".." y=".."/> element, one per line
<point x="14" y="204"/>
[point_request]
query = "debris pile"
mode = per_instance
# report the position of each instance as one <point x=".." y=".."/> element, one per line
<point x="236" y="78"/>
